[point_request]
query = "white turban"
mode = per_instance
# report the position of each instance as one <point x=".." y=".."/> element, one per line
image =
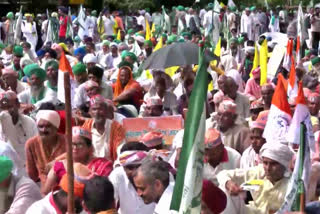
<point x="90" y="58"/>
<point x="277" y="152"/>
<point x="140" y="39"/>
<point x="50" y="116"/>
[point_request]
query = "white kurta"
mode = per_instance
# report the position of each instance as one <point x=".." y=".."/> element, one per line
<point x="247" y="25"/>
<point x="125" y="193"/>
<point x="163" y="205"/>
<point x="18" y="134"/>
<point x="50" y="96"/>
<point x="29" y="31"/>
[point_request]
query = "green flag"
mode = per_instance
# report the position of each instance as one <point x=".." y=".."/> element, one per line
<point x="188" y="187"/>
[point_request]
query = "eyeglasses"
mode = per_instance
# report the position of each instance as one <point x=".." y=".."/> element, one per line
<point x="77" y="145"/>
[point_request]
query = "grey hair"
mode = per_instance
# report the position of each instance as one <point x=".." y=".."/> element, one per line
<point x="153" y="170"/>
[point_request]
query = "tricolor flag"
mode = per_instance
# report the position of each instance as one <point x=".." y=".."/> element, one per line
<point x="186" y="196"/>
<point x="305" y="138"/>
<point x="64" y="66"/>
<point x="263" y="62"/>
<point x="287" y="57"/>
<point x="280" y="115"/>
<point x="292" y="91"/>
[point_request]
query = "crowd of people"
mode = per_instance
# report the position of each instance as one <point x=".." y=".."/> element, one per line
<point x="106" y="53"/>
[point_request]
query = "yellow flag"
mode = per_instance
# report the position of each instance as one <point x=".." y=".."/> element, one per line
<point x="153" y="30"/>
<point x="255" y="59"/>
<point x="172" y="70"/>
<point x="159" y="45"/>
<point x="148" y="31"/>
<point x="119" y="35"/>
<point x="263" y="62"/>
<point x="217" y="50"/>
<point x="222" y="5"/>
<point x="115" y="27"/>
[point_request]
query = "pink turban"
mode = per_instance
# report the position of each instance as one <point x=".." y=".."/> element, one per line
<point x="8" y="70"/>
<point x="82" y="132"/>
<point x="154" y="101"/>
<point x="132" y="157"/>
<point x="227" y="106"/>
<point x="212" y="138"/>
<point x="213" y="197"/>
<point x="152" y="139"/>
<point x="256" y="72"/>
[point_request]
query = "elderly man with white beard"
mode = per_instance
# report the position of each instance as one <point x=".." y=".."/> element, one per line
<point x="38" y="93"/>
<point x="15" y="128"/>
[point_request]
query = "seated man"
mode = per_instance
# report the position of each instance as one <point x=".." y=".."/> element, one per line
<point x="80" y="73"/>
<point x="95" y="74"/>
<point x="233" y="135"/>
<point x="253" y="88"/>
<point x="17" y="192"/>
<point x="153" y="107"/>
<point x="168" y="98"/>
<point x="268" y="198"/>
<point x="56" y="201"/>
<point x="42" y="149"/>
<point x="217" y="156"/>
<point x="52" y="69"/>
<point x="132" y="154"/>
<point x="267" y="91"/>
<point x="314" y="106"/>
<point x="98" y="196"/>
<point x="16" y="128"/>
<point x="38" y="93"/>
<point x="241" y="100"/>
<point x="250" y="156"/>
<point x="154" y="175"/>
<point x="10" y="79"/>
<point x="107" y="134"/>
<point x="126" y="90"/>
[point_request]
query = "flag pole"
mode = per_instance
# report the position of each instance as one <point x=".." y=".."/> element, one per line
<point x="68" y="134"/>
<point x="301" y="157"/>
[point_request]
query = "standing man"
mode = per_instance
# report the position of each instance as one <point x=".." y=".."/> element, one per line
<point x="315" y="27"/>
<point x="247" y="24"/>
<point x="29" y="30"/>
<point x="8" y="27"/>
<point x="108" y="22"/>
<point x="63" y="21"/>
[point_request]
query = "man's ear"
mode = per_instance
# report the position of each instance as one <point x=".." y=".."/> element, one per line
<point x="158" y="185"/>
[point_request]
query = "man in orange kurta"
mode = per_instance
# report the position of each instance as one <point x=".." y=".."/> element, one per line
<point x="42" y="149"/>
<point x="107" y="135"/>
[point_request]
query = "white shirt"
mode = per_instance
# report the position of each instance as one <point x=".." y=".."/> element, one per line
<point x="233" y="162"/>
<point x="49" y="96"/>
<point x="169" y="101"/>
<point x="249" y="158"/>
<point x="21" y="86"/>
<point x="42" y="206"/>
<point x="163" y="205"/>
<point x="130" y="201"/>
<point x="18" y="134"/>
<point x="141" y="21"/>
<point x="108" y="25"/>
<point x="18" y="165"/>
<point x="81" y="96"/>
